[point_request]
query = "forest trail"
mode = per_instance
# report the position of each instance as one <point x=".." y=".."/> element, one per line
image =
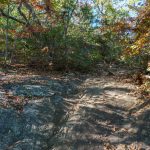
<point x="72" y="112"/>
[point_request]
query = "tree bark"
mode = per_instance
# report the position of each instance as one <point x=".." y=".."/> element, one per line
<point x="7" y="43"/>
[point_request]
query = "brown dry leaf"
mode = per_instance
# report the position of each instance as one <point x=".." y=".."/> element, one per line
<point x="121" y="147"/>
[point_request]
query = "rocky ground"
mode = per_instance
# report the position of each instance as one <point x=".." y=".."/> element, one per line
<point x="72" y="111"/>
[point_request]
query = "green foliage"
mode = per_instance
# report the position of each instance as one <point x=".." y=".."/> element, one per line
<point x="62" y="33"/>
<point x="4" y="1"/>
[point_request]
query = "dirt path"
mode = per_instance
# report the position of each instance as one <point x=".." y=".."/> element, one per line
<point x="72" y="112"/>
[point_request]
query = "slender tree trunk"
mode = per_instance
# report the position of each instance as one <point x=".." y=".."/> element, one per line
<point x="66" y="26"/>
<point x="7" y="42"/>
<point x="12" y="52"/>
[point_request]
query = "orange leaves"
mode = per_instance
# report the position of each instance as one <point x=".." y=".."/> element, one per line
<point x="12" y="31"/>
<point x="122" y="26"/>
<point x="142" y="32"/>
<point x="117" y="27"/>
<point x="138" y="45"/>
<point x="142" y="40"/>
<point x="24" y="35"/>
<point x="29" y="31"/>
<point x="33" y="29"/>
<point x="39" y="7"/>
<point x="145" y="12"/>
<point x="45" y="50"/>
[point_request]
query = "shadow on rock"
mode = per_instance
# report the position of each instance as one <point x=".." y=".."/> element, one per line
<point x="37" y="126"/>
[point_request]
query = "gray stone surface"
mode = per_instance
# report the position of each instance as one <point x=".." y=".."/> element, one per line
<point x="36" y="126"/>
<point x="47" y="89"/>
<point x="60" y="116"/>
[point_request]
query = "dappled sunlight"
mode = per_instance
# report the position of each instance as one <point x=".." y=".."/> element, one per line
<point x="43" y="115"/>
<point x="73" y="112"/>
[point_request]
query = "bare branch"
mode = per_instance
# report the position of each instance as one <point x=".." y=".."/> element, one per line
<point x="21" y="13"/>
<point x="31" y="11"/>
<point x="10" y="17"/>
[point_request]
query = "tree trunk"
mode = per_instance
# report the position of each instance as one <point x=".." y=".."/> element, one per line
<point x="7" y="42"/>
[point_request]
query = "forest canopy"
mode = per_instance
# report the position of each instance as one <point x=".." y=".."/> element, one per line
<point x="74" y="34"/>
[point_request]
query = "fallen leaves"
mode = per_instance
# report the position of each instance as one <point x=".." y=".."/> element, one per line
<point x="16" y="102"/>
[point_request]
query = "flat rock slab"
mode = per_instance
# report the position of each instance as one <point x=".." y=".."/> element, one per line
<point x="28" y="130"/>
<point x="35" y="127"/>
<point x="40" y="87"/>
<point x="65" y="114"/>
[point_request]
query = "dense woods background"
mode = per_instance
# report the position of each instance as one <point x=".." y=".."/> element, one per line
<point x="74" y="34"/>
